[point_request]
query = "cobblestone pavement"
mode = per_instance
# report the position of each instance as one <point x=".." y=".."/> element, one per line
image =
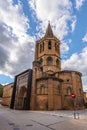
<point x="42" y="120"/>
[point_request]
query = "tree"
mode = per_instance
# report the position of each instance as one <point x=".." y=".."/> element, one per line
<point x="1" y="90"/>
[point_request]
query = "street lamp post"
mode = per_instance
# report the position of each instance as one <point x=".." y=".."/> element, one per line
<point x="73" y="97"/>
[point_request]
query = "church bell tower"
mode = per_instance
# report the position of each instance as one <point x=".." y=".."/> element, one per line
<point x="47" y="52"/>
<point x="47" y="62"/>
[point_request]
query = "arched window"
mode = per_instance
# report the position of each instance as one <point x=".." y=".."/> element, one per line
<point x="68" y="91"/>
<point x="49" y="61"/>
<point x="41" y="61"/>
<point x="57" y="62"/>
<point x="42" y="90"/>
<point x="56" y="47"/>
<point x="41" y="47"/>
<point x="21" y="97"/>
<point x="49" y="45"/>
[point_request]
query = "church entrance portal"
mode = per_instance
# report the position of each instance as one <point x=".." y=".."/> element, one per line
<point x="21" y="98"/>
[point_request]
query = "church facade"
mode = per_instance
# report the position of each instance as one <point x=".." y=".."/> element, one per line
<point x="46" y="86"/>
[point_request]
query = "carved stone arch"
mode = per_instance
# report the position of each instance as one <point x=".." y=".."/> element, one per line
<point x="20" y="103"/>
<point x="49" y="44"/>
<point x="22" y="91"/>
<point x="41" y="61"/>
<point x="56" y="47"/>
<point x="41" y="47"/>
<point x="49" y="60"/>
<point x="57" y="61"/>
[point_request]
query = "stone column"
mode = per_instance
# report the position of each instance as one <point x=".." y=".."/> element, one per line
<point x="74" y="83"/>
<point x="50" y="94"/>
<point x="33" y="91"/>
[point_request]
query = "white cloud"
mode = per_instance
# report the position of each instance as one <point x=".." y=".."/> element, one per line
<point x="63" y="21"/>
<point x="5" y="84"/>
<point x="84" y="39"/>
<point x="16" y="46"/>
<point x="77" y="62"/>
<point x="73" y="24"/>
<point x="58" y="12"/>
<point x="79" y="3"/>
<point x="64" y="47"/>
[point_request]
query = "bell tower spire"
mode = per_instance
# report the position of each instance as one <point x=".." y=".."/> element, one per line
<point x="46" y="64"/>
<point x="47" y="52"/>
<point x="49" y="32"/>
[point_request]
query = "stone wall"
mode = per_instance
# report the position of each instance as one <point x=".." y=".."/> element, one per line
<point x="51" y="87"/>
<point x="85" y="97"/>
<point x="7" y="94"/>
<point x="72" y="83"/>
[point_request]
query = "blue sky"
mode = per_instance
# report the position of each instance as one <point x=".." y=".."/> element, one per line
<point x="22" y="22"/>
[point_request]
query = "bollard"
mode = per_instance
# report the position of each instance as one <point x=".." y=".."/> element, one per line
<point x="76" y="115"/>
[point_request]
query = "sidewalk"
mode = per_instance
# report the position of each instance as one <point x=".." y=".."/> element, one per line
<point x="35" y="120"/>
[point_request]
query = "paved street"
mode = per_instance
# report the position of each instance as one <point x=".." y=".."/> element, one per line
<point x="41" y="120"/>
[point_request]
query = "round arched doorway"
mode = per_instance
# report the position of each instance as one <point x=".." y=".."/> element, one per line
<point x="21" y="101"/>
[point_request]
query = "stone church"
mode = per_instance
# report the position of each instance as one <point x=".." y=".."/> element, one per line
<point x="46" y="86"/>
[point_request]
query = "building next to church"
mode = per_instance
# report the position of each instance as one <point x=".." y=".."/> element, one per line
<point x="85" y="98"/>
<point x="46" y="86"/>
<point x="1" y="93"/>
<point x="7" y="94"/>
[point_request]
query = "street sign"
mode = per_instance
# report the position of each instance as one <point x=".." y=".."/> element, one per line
<point x="73" y="95"/>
